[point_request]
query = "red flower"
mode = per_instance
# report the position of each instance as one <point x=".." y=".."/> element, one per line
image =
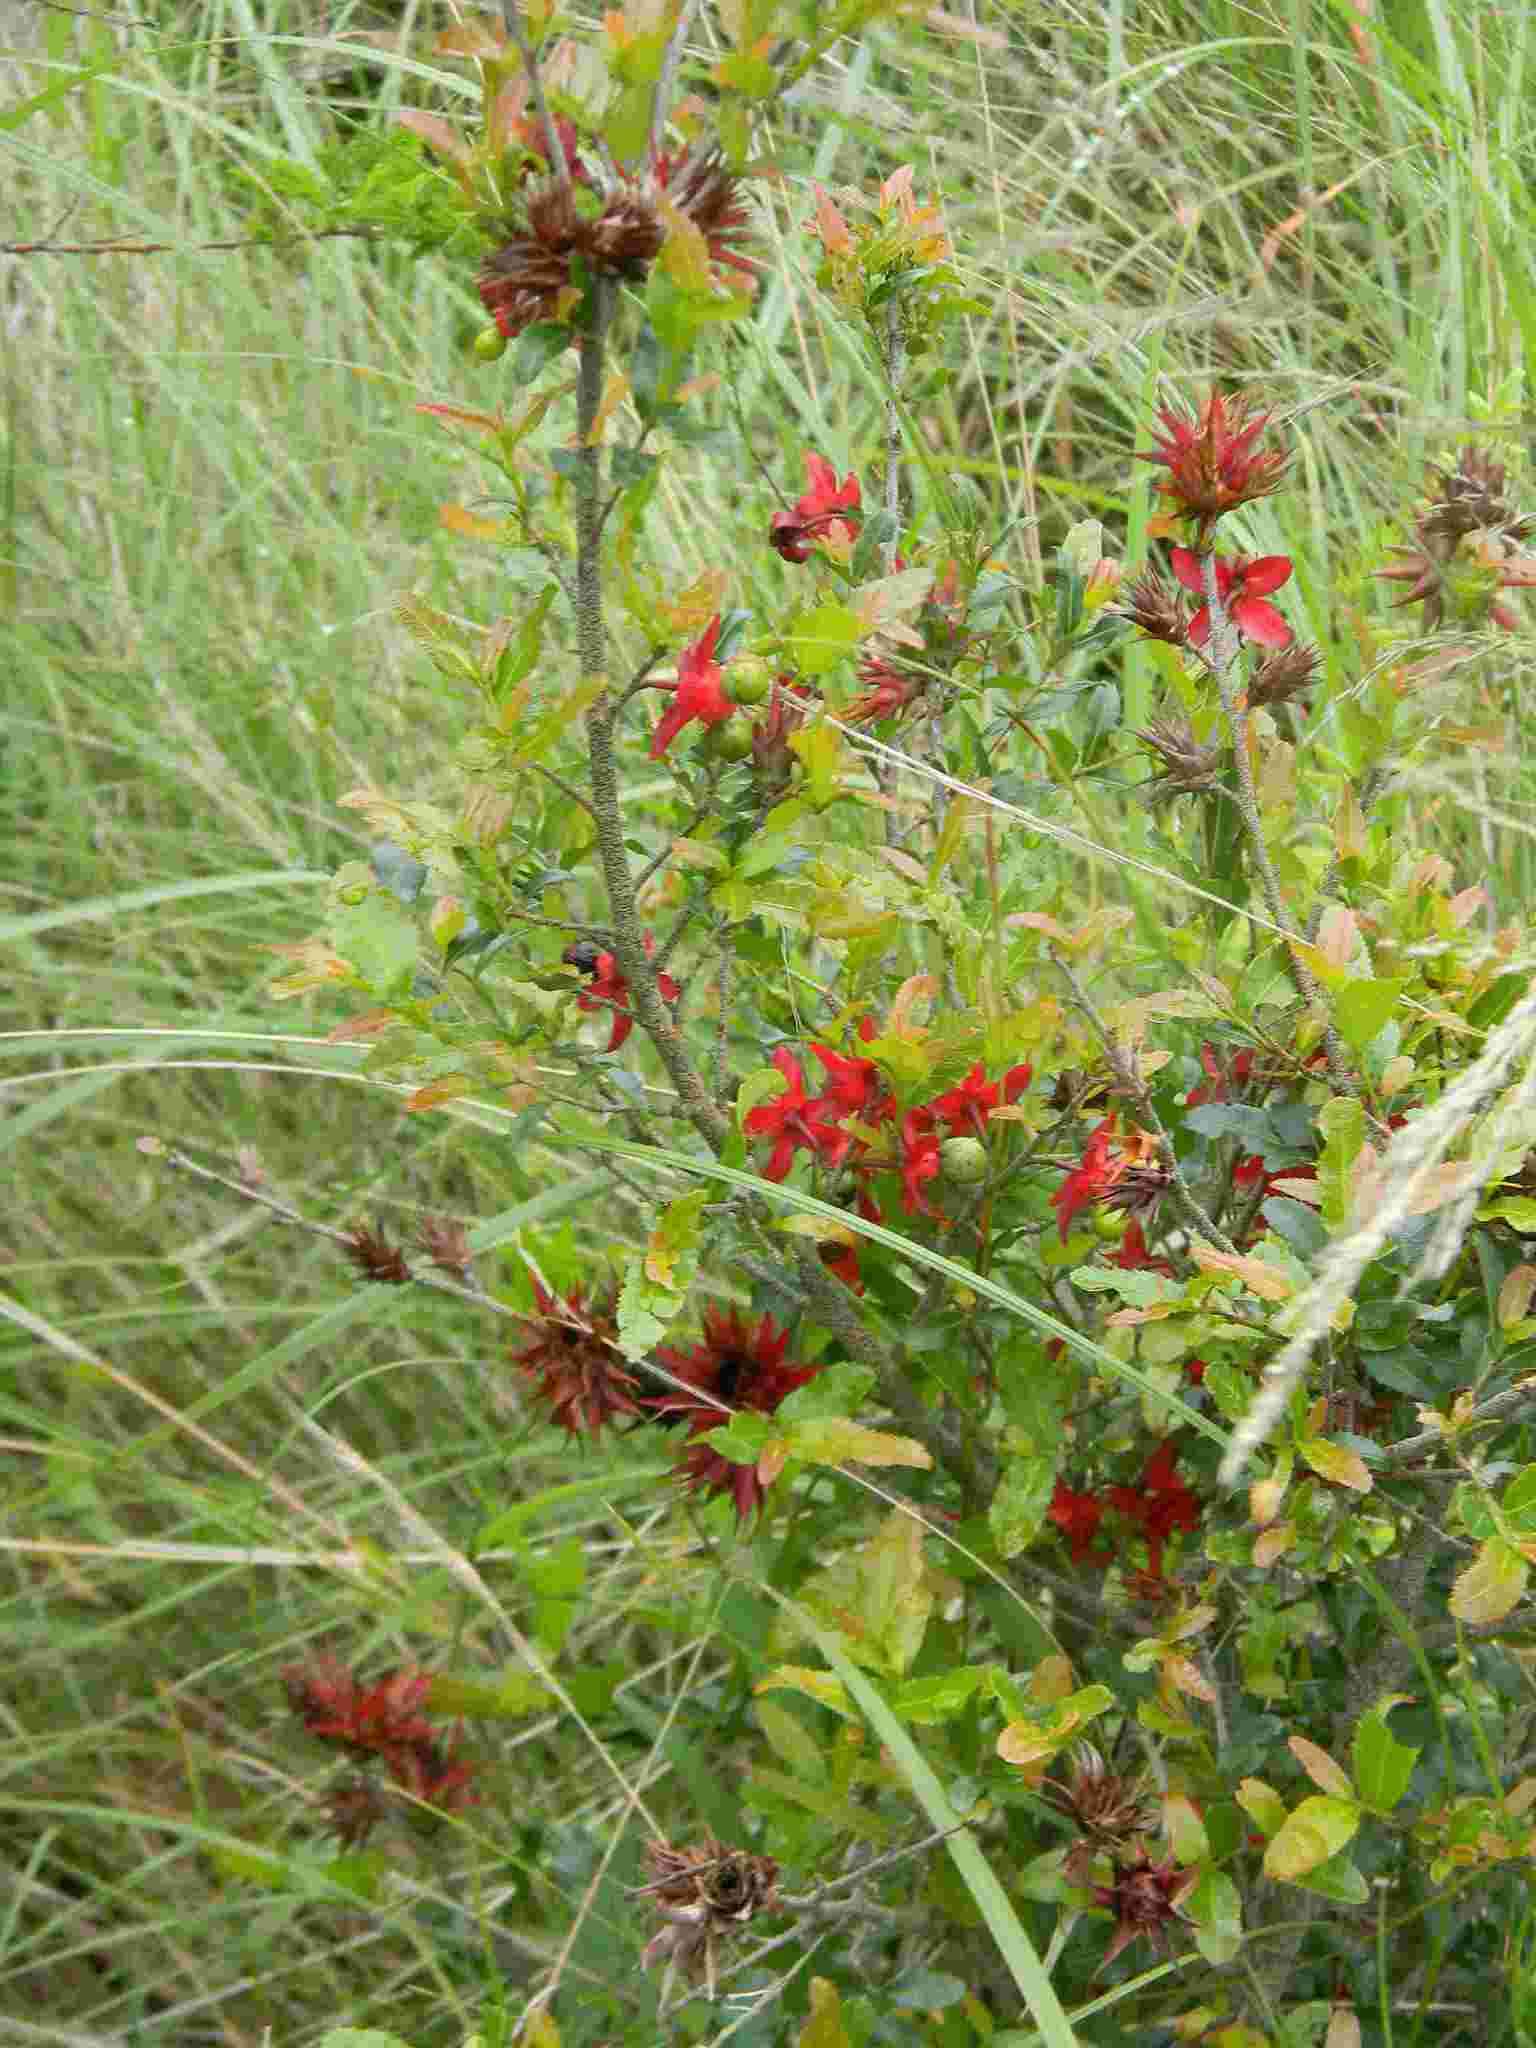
<point x="1195" y="1371"/>
<point x="698" y="692"/>
<point x="1078" y="1516"/>
<point x="575" y="1357"/>
<point x="820" y="514"/>
<point x="609" y="990"/>
<point x="1243" y="586"/>
<point x="1213" y="461"/>
<point x="1133" y="1255"/>
<point x="795" y="1122"/>
<point x="854" y="1086"/>
<point x="1160" y="1503"/>
<point x="842" y="1262"/>
<point x="429" y="1771"/>
<point x="1127" y="1173"/>
<point x="1221" y="1080"/>
<point x="742" y="1368"/>
<point x="920" y="1162"/>
<point x="966" y="1108"/>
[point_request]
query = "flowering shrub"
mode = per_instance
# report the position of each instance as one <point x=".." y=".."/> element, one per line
<point x="1166" y="1261"/>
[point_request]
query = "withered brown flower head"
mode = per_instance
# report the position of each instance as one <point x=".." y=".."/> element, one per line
<point x="1144" y="1897"/>
<point x="574" y="1355"/>
<point x="618" y="233"/>
<point x="374" y="1256"/>
<point x="1188" y="767"/>
<point x="704" y="1892"/>
<point x="1471" y="498"/>
<point x="446" y="1243"/>
<point x="1111" y="1809"/>
<point x="1284" y="675"/>
<point x="1156" y="609"/>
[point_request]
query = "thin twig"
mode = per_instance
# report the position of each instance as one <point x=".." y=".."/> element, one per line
<point x="512" y="15"/>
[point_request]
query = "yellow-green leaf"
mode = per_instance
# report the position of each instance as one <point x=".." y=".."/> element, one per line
<point x="824" y="2028"/>
<point x="819" y="1686"/>
<point x="1319" y="1828"/>
<point x="1491" y="1585"/>
<point x="835" y="1440"/>
<point x="1333" y="1462"/>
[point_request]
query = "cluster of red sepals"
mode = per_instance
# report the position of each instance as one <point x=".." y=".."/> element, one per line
<point x="382" y="1722"/>
<point x="575" y="1360"/>
<point x="840" y="1127"/>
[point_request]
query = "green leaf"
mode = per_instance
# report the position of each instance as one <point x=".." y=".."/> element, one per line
<point x="838" y="1389"/>
<point x="1383" y="1765"/>
<point x="1017" y="1511"/>
<point x="645" y="1311"/>
<point x="820" y="751"/>
<point x="742" y="1438"/>
<point x="818" y="640"/>
<point x="372" y="928"/>
<point x="669" y="1257"/>
<point x="1337" y="1879"/>
<point x="1318" y="1829"/>
<point x="1361" y="1009"/>
<point x="928" y="1701"/>
<point x="1517" y="1503"/>
<point x="360" y="2037"/>
<point x="1342" y="1123"/>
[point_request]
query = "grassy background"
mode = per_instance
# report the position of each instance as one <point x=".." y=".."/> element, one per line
<point x="216" y="1452"/>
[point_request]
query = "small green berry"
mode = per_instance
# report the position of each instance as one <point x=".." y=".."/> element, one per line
<point x="489" y="344"/>
<point x="964" y="1161"/>
<point x="748" y="680"/>
<point x="731" y="740"/>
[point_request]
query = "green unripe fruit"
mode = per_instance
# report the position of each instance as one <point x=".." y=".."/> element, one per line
<point x="489" y="344"/>
<point x="748" y="680"/>
<point x="964" y="1161"/>
<point x="731" y="740"/>
<point x="1109" y="1224"/>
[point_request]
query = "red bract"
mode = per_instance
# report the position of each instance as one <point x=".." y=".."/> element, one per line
<point x="1213" y="459"/>
<point x="920" y="1162"/>
<point x="1243" y="586"/>
<point x="888" y="691"/>
<point x="966" y="1108"/>
<point x="698" y="692"/>
<point x="574" y="1355"/>
<point x="1132" y="1255"/>
<point x="854" y="1086"/>
<point x="1077" y="1516"/>
<point x="741" y="1368"/>
<point x="609" y="990"/>
<point x="796" y="1122"/>
<point x="822" y="513"/>
<point x="1159" y="1504"/>
<point x="372" y="1720"/>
